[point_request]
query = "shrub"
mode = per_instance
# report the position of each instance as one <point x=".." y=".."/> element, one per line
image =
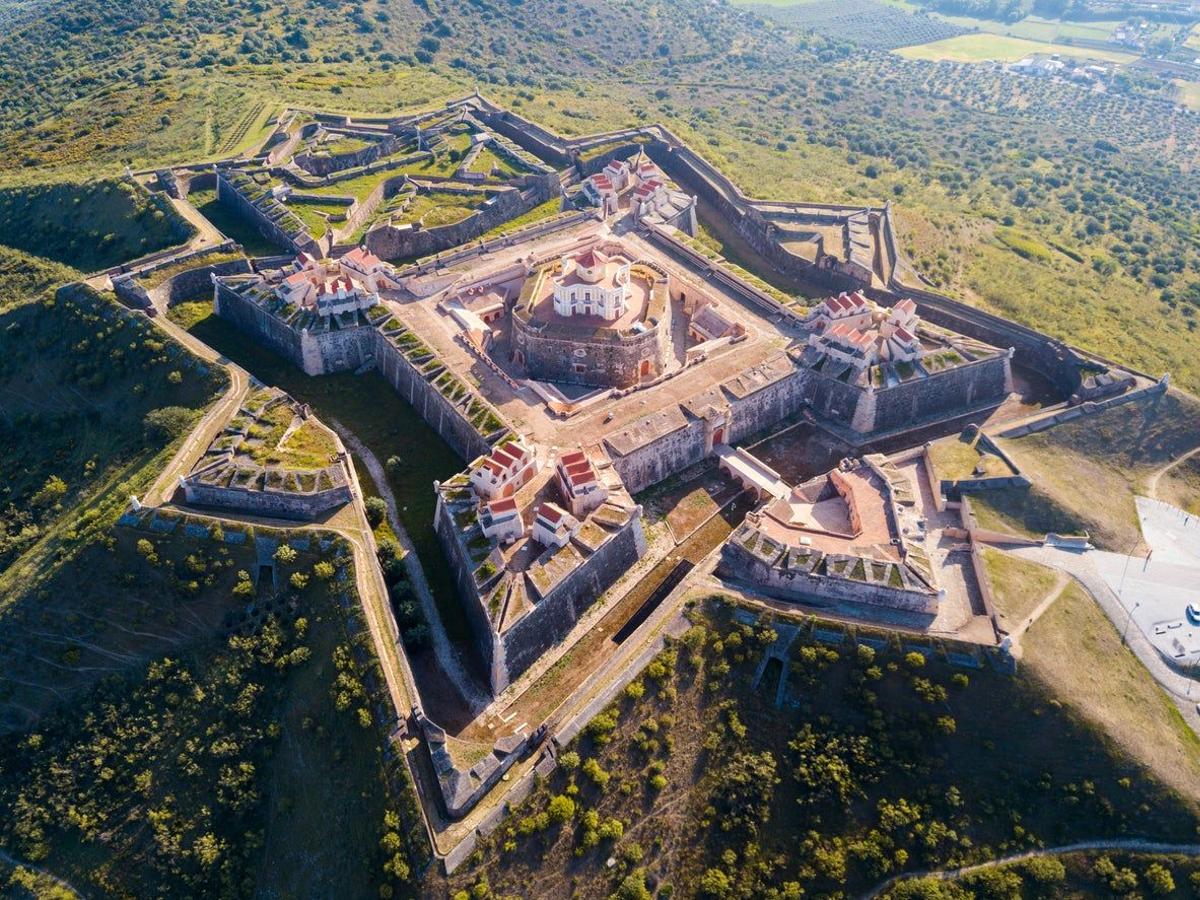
<point x="376" y="511"/>
<point x="561" y="809"/>
<point x="166" y="423"/>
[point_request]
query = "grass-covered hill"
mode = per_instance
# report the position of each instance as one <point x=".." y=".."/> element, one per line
<point x="90" y="395"/>
<point x="170" y="727"/>
<point x="88" y="225"/>
<point x="1068" y="209"/>
<point x="879" y="761"/>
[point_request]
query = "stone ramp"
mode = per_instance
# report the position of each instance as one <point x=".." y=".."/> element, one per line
<point x="751" y="471"/>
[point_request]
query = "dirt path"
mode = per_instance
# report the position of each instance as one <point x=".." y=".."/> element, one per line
<point x="447" y="659"/>
<point x="1053" y="594"/>
<point x="1152" y="483"/>
<point x="1134" y="844"/>
<point x="209" y="426"/>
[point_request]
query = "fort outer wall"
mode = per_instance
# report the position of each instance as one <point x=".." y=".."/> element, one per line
<point x="508" y="655"/>
<point x="866" y="411"/>
<point x="553" y="617"/>
<point x="347" y="350"/>
<point x="739" y="564"/>
<point x="274" y="504"/>
<point x="232" y="197"/>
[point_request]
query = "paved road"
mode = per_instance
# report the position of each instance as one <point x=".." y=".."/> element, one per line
<point x="1136" y="845"/>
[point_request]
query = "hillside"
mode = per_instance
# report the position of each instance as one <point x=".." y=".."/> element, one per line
<point x="90" y="394"/>
<point x="88" y="226"/>
<point x="231" y="744"/>
<point x="878" y="760"/>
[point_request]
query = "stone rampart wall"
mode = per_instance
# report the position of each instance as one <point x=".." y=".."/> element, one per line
<point x="232" y="197"/>
<point x="482" y="633"/>
<point x="608" y="363"/>
<point x="275" y="504"/>
<point x="321" y="164"/>
<point x="552" y="619"/>
<point x="962" y="388"/>
<point x="390" y="242"/>
<point x="741" y="565"/>
<point x="650" y="464"/>
<point x="260" y="324"/>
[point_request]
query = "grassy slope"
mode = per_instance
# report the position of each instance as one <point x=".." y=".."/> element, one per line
<point x="1181" y="485"/>
<point x="1018" y="586"/>
<point x="1021" y="752"/>
<point x="1074" y="647"/>
<point x="1087" y="472"/>
<point x="309" y="818"/>
<point x="78" y="375"/>
<point x="88" y="226"/>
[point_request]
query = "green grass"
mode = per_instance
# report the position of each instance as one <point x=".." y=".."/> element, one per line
<point x="1075" y="647"/>
<point x="540" y="212"/>
<point x="1023" y="245"/>
<point x="161" y="276"/>
<point x="498" y="165"/>
<point x="370" y="408"/>
<point x="1181" y="485"/>
<point x="955" y="459"/>
<point x="88" y="226"/>
<point x="1087" y="472"/>
<point x="993" y="47"/>
<point x="232" y="225"/>
<point x="78" y="375"/>
<point x="24" y="277"/>
<point x="1018" y="586"/>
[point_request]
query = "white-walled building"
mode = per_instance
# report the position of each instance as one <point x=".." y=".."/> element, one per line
<point x="592" y="283"/>
<point x="368" y="268"/>
<point x="503" y="471"/>
<point x="325" y="287"/>
<point x="501" y="521"/>
<point x="578" y="483"/>
<point x="553" y="526"/>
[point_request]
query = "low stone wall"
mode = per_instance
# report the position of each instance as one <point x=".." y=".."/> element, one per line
<point x="326" y="164"/>
<point x="391" y="242"/>
<point x="274" y="504"/>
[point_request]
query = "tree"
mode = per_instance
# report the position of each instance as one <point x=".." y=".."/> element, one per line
<point x="561" y="809"/>
<point x="285" y="555"/>
<point x="323" y="570"/>
<point x="1158" y="879"/>
<point x="166" y="423"/>
<point x="299" y="581"/>
<point x="742" y="794"/>
<point x="376" y="511"/>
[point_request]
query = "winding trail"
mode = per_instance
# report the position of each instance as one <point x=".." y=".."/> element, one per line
<point x="1053" y="594"/>
<point x="1152" y="482"/>
<point x="1134" y="844"/>
<point x="447" y="658"/>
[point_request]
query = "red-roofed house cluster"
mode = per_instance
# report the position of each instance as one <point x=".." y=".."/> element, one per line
<point x="852" y="329"/>
<point x="331" y="287"/>
<point x="503" y="471"/>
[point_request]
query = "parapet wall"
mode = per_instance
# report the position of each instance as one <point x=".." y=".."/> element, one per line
<point x="348" y="350"/>
<point x="266" y="502"/>
<point x="392" y="242"/>
<point x="552" y="619"/>
<point x="232" y="197"/>
<point x="740" y="565"/>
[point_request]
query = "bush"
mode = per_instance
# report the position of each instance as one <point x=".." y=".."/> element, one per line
<point x="376" y="511"/>
<point x="561" y="809"/>
<point x="166" y="423"/>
